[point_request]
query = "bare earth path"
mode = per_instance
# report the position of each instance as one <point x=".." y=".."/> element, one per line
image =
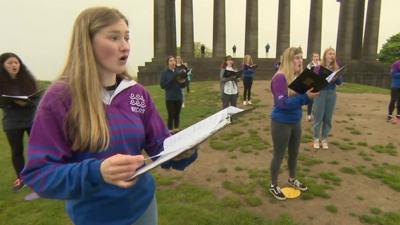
<point x="359" y="125"/>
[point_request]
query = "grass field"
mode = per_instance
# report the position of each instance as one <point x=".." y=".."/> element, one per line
<point x="225" y="201"/>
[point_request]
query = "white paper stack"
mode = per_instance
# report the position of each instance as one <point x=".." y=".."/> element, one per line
<point x="191" y="137"/>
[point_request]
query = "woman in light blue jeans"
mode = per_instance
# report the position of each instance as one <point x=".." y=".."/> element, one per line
<point x="324" y="105"/>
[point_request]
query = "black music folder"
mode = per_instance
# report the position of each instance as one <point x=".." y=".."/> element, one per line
<point x="230" y="73"/>
<point x="308" y="79"/>
<point x="25" y="98"/>
<point x="6" y="99"/>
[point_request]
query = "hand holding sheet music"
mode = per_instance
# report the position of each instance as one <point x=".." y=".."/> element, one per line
<point x="191" y="137"/>
<point x="334" y="75"/>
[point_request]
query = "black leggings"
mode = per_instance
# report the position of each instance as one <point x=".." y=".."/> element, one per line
<point x="247" y="83"/>
<point x="394" y="99"/>
<point x="174" y="111"/>
<point x="15" y="138"/>
<point x="284" y="136"/>
<point x="309" y="107"/>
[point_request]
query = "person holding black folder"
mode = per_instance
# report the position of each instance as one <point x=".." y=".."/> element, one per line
<point x="324" y="105"/>
<point x="181" y="68"/>
<point x="314" y="63"/>
<point x="286" y="119"/>
<point x="17" y="80"/>
<point x="229" y="76"/>
<point x="249" y="70"/>
<point x="172" y="81"/>
<point x="91" y="129"/>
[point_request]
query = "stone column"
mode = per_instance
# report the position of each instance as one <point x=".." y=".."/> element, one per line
<point x="251" y="35"/>
<point x="160" y="31"/>
<point x="358" y="28"/>
<point x="171" y="27"/>
<point x="187" y="41"/>
<point x="345" y="30"/>
<point x="283" y="37"/>
<point x="314" y="28"/>
<point x="219" y="30"/>
<point x="370" y="45"/>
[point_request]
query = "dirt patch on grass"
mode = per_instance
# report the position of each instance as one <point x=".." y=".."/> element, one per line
<point x="341" y="192"/>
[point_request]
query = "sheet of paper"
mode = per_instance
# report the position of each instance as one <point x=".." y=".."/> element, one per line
<point x="191" y="136"/>
<point x="15" y="96"/>
<point x="333" y="74"/>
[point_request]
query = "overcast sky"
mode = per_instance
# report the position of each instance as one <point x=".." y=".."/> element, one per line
<point x="39" y="30"/>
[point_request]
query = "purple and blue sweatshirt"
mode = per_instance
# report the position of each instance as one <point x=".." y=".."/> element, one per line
<point x="395" y="72"/>
<point x="248" y="72"/>
<point x="54" y="170"/>
<point x="287" y="109"/>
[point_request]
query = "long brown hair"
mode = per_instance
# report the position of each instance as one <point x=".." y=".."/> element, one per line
<point x="287" y="67"/>
<point x="333" y="65"/>
<point x="247" y="60"/>
<point x="86" y="123"/>
<point x="224" y="64"/>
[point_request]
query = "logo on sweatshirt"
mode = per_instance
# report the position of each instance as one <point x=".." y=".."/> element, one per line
<point x="137" y="102"/>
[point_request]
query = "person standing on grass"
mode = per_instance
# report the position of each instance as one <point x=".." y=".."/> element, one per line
<point x="395" y="91"/>
<point x="172" y="85"/>
<point x="249" y="70"/>
<point x="91" y="127"/>
<point x="286" y="119"/>
<point x="182" y="68"/>
<point x="189" y="77"/>
<point x="314" y="63"/>
<point x="228" y="85"/>
<point x="16" y="79"/>
<point x="324" y="104"/>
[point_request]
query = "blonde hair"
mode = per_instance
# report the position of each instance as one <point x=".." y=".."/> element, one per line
<point x="248" y="60"/>
<point x="333" y="65"/>
<point x="287" y="67"/>
<point x="86" y="123"/>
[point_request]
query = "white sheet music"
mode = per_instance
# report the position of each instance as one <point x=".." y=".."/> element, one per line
<point x="16" y="96"/>
<point x="191" y="136"/>
<point x="333" y="76"/>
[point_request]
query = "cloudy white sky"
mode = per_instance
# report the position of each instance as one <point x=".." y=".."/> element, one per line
<point x="39" y="31"/>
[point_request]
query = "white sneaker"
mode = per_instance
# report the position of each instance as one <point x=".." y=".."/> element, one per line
<point x="324" y="144"/>
<point x="244" y="102"/>
<point x="249" y="102"/>
<point x="316" y="144"/>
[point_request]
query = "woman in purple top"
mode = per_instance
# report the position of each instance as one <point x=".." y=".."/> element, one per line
<point x="249" y="70"/>
<point x="286" y="119"/>
<point x="394" y="92"/>
<point x="91" y="127"/>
